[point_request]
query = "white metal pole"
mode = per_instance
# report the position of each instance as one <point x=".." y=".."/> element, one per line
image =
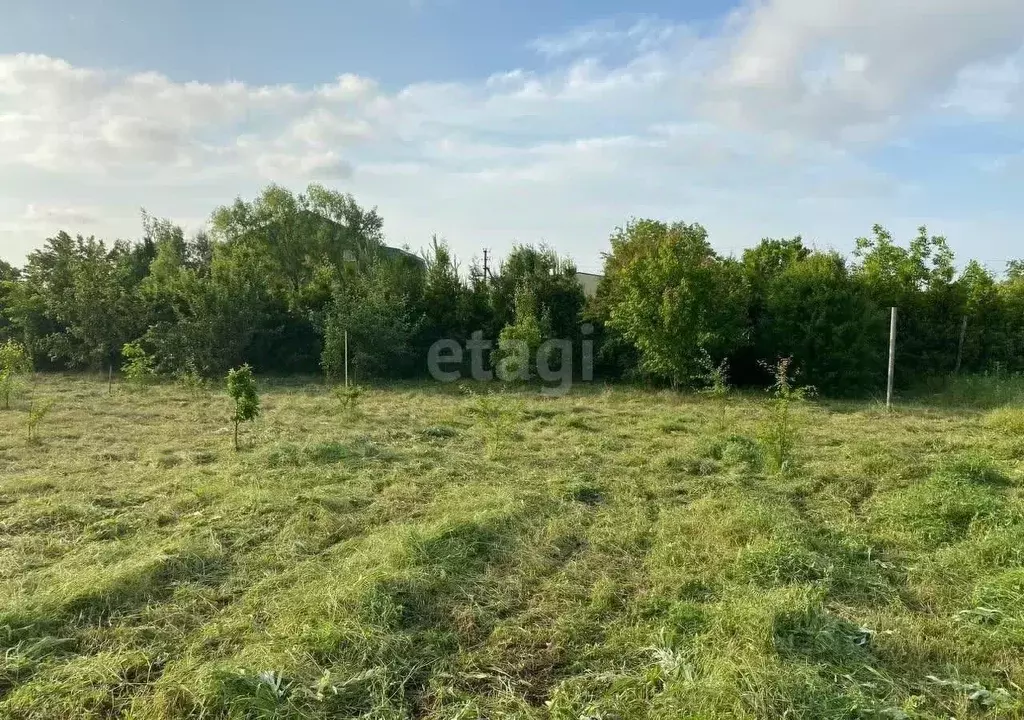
<point x="346" y="359"/>
<point x="892" y="359"/>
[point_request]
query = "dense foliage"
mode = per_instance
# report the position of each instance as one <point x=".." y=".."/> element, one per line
<point x="280" y="281"/>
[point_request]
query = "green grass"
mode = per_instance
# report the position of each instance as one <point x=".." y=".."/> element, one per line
<point x="438" y="553"/>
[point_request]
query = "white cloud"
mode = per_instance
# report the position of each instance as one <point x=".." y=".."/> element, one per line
<point x="44" y="214"/>
<point x="643" y="35"/>
<point x="755" y="128"/>
<point x="826" y="66"/>
<point x="990" y="90"/>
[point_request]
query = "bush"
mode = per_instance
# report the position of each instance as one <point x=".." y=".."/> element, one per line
<point x="15" y="363"/>
<point x="191" y="380"/>
<point x="519" y="341"/>
<point x="139" y="368"/>
<point x="673" y="297"/>
<point x="377" y="312"/>
<point x="348" y="396"/>
<point x="819" y="316"/>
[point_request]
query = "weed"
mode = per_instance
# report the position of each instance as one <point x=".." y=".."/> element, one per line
<point x="779" y="431"/>
<point x="192" y="381"/>
<point x="501" y="415"/>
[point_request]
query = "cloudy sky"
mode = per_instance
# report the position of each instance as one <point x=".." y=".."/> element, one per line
<point x="493" y="121"/>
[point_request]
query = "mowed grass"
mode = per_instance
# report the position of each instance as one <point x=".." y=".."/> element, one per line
<point x="444" y="553"/>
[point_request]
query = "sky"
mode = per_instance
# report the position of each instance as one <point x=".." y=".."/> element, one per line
<point x="492" y="122"/>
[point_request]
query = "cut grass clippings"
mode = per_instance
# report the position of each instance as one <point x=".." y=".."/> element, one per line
<point x="615" y="553"/>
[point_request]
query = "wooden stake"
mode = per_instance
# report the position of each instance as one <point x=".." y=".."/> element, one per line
<point x="960" y="347"/>
<point x="110" y="380"/>
<point x="892" y="360"/>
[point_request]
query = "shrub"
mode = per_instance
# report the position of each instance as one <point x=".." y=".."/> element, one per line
<point x="15" y="363"/>
<point x="715" y="378"/>
<point x="242" y="388"/>
<point x="673" y="297"/>
<point x="500" y="416"/>
<point x="36" y="414"/>
<point x="519" y="340"/>
<point x="139" y="367"/>
<point x="348" y="396"/>
<point x="377" y="314"/>
<point x="819" y="316"/>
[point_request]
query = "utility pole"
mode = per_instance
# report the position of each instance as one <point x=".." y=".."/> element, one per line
<point x="892" y="360"/>
<point x="487" y="267"/>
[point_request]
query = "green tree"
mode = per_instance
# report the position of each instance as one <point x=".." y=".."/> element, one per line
<point x="919" y="280"/>
<point x="379" y="309"/>
<point x="985" y="341"/>
<point x="138" y="367"/>
<point x="762" y="264"/>
<point x="552" y="281"/>
<point x="674" y="298"/>
<point x="242" y="389"/>
<point x="1011" y="296"/>
<point x="445" y="296"/>
<point x="77" y="300"/>
<point x="8" y="280"/>
<point x="299" y="232"/>
<point x="816" y="314"/>
<point x="519" y="340"/>
<point x="215" y="320"/>
<point x="305" y="244"/>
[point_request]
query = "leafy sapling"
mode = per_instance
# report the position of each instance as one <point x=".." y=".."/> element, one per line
<point x="15" y="364"/>
<point x="242" y="389"/>
<point x="348" y="396"/>
<point x="36" y="413"/>
<point x="139" y="368"/>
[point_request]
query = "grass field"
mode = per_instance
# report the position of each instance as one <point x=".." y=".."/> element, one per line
<point x="436" y="553"/>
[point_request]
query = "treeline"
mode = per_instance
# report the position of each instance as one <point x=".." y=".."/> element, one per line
<point x="277" y="283"/>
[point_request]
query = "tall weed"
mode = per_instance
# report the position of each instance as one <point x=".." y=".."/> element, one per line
<point x="780" y="431"/>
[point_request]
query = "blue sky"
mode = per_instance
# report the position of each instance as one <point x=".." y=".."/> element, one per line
<point x="491" y="122"/>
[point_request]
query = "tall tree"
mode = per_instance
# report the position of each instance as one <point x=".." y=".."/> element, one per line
<point x="551" y="281"/>
<point x="819" y="316"/>
<point x="673" y="297"/>
<point x="919" y="281"/>
<point x="77" y="301"/>
<point x="8" y="278"/>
